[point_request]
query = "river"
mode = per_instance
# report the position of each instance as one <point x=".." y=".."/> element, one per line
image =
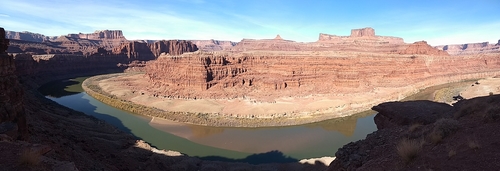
<point x="298" y="142"/>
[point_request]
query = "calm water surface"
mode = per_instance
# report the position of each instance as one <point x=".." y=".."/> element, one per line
<point x="301" y="141"/>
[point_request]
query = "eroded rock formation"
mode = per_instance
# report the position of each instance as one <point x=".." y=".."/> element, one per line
<point x="12" y="112"/>
<point x="422" y="47"/>
<point x="150" y="51"/>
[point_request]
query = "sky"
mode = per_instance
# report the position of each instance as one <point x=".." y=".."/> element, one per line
<point x="437" y="22"/>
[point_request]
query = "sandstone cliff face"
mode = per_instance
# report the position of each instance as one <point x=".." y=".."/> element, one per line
<point x="134" y="51"/>
<point x="145" y="51"/>
<point x="422" y="47"/>
<point x="213" y="45"/>
<point x="172" y="47"/>
<point x="12" y="112"/>
<point x="28" y="36"/>
<point x="100" y="34"/>
<point x="239" y="75"/>
<point x="363" y="32"/>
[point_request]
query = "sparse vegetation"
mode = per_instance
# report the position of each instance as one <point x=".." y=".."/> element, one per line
<point x="446" y="126"/>
<point x="473" y="144"/>
<point x="443" y="128"/>
<point x="409" y="149"/>
<point x="414" y="127"/>
<point x="29" y="158"/>
<point x="452" y="153"/>
<point x="436" y="137"/>
<point x="492" y="113"/>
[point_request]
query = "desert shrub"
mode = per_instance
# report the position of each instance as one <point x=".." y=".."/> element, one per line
<point x="436" y="137"/>
<point x="452" y="153"/>
<point x="473" y="106"/>
<point x="473" y="144"/>
<point x="414" y="127"/>
<point x="30" y="158"/>
<point x="408" y="149"/>
<point x="492" y="113"/>
<point x="446" y="126"/>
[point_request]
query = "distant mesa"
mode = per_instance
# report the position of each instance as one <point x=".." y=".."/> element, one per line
<point x="470" y="48"/>
<point x="100" y="34"/>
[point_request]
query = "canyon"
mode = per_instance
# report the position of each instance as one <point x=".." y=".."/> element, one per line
<point x="336" y="74"/>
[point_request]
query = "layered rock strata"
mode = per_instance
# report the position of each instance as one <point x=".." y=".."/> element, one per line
<point x="471" y="48"/>
<point x="267" y="77"/>
<point x="28" y="36"/>
<point x="361" y="40"/>
<point x="213" y="45"/>
<point x="12" y="111"/>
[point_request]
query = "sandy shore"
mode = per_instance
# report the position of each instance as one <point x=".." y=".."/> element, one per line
<point x="483" y="87"/>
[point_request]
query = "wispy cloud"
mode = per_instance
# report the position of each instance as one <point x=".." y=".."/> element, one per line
<point x="226" y="20"/>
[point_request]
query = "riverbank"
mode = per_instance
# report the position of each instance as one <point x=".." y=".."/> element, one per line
<point x="124" y="91"/>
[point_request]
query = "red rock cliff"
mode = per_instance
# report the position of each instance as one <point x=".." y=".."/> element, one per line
<point x="12" y="112"/>
<point x="364" y="32"/>
<point x="100" y="34"/>
<point x="228" y="75"/>
<point x="422" y="47"/>
<point x="145" y="51"/>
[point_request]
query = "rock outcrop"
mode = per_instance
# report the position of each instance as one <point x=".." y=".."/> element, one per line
<point x="397" y="114"/>
<point x="422" y="47"/>
<point x="172" y="47"/>
<point x="149" y="51"/>
<point x="12" y="112"/>
<point x="363" y="32"/>
<point x="463" y="136"/>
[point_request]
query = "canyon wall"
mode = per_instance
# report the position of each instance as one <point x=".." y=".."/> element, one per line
<point x="12" y="112"/>
<point x="422" y="47"/>
<point x="471" y="48"/>
<point x="213" y="45"/>
<point x="100" y="34"/>
<point x="270" y="75"/>
<point x="360" y="40"/>
<point x="28" y="36"/>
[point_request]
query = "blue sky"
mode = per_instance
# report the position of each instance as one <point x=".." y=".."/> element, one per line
<point x="438" y="22"/>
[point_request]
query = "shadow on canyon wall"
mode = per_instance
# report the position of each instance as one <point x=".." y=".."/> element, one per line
<point x="274" y="156"/>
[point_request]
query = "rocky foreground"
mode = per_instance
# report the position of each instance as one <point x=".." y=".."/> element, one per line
<point x="424" y="135"/>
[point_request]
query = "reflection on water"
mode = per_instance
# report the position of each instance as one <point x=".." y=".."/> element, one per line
<point x="315" y="137"/>
<point x="301" y="141"/>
